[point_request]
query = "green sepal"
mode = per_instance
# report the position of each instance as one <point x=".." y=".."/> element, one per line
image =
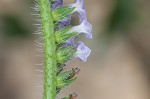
<point x="64" y="54"/>
<point x="59" y="69"/>
<point x="63" y="81"/>
<point x="66" y="98"/>
<point x="71" y="96"/>
<point x="62" y="35"/>
<point x="65" y="75"/>
<point x="62" y="12"/>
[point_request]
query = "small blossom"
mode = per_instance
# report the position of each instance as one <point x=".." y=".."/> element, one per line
<point x="79" y="7"/>
<point x="57" y="4"/>
<point x="84" y="28"/>
<point x="82" y="51"/>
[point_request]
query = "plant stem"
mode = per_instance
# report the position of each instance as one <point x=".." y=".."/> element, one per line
<point x="49" y="49"/>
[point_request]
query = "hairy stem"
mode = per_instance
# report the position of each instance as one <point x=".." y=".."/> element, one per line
<point x="49" y="49"/>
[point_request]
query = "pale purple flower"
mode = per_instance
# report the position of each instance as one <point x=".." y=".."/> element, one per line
<point x="82" y="51"/>
<point x="79" y="8"/>
<point x="85" y="28"/>
<point x="57" y="4"/>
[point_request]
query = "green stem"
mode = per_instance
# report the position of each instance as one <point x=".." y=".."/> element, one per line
<point x="49" y="49"/>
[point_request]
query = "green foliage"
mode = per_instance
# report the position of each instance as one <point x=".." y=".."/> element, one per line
<point x="13" y="27"/>
<point x="122" y="16"/>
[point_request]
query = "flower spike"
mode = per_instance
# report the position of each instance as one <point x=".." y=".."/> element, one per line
<point x="58" y="43"/>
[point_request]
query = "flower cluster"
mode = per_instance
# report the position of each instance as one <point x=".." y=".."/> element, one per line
<point x="58" y="42"/>
<point x="65" y="34"/>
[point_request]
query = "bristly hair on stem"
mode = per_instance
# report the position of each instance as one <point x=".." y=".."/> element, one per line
<point x="58" y="42"/>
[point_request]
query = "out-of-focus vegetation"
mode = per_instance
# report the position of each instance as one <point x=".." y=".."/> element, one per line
<point x="12" y="26"/>
<point x="122" y="16"/>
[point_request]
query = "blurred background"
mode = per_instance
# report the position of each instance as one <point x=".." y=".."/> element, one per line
<point x="119" y="65"/>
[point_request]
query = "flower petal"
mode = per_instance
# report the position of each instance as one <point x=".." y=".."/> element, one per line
<point x="57" y="4"/>
<point x="79" y="7"/>
<point x="82" y="51"/>
<point x="85" y="28"/>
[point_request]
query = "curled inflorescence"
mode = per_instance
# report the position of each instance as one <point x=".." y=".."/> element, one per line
<point x="63" y="39"/>
<point x="65" y="34"/>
